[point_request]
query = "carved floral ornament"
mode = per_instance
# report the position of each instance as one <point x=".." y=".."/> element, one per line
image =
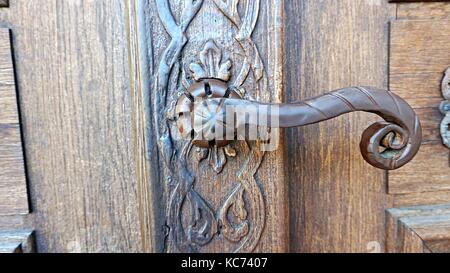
<point x="212" y="67"/>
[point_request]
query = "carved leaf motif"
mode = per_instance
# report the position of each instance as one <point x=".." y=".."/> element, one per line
<point x="198" y="72"/>
<point x="217" y="159"/>
<point x="210" y="57"/>
<point x="211" y="66"/>
<point x="224" y="71"/>
<point x="230" y="152"/>
<point x="234" y="205"/>
<point x="258" y="66"/>
<point x="203" y="225"/>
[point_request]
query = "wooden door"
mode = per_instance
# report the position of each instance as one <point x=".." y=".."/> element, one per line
<point x="92" y="160"/>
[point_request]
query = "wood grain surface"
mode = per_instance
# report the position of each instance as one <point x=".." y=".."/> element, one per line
<point x="419" y="46"/>
<point x="419" y="229"/>
<point x="20" y="241"/>
<point x="420" y="53"/>
<point x="429" y="171"/>
<point x="420" y="199"/>
<point x="337" y="200"/>
<point x="80" y="97"/>
<point x="13" y="187"/>
<point x="424" y="10"/>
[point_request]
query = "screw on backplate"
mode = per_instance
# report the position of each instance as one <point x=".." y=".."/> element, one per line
<point x="445" y="107"/>
<point x="208" y="91"/>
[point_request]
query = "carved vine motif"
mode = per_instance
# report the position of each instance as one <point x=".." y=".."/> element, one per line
<point x="239" y="219"/>
<point x="445" y="109"/>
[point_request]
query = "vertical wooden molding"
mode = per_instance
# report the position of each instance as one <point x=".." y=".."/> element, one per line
<point x="218" y="199"/>
<point x="13" y="187"/>
<point x="138" y="66"/>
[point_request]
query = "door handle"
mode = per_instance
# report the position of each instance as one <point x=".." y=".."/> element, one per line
<point x="211" y="113"/>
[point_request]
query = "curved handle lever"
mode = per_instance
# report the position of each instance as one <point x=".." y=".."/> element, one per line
<point x="386" y="145"/>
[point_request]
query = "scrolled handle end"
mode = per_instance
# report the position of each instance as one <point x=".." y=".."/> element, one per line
<point x="388" y="146"/>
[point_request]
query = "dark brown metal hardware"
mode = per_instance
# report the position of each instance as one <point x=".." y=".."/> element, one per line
<point x="445" y="109"/>
<point x="205" y="89"/>
<point x="386" y="145"/>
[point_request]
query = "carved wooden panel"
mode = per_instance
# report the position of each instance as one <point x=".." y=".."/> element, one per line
<point x="419" y="229"/>
<point x="420" y="54"/>
<point x="218" y="199"/>
<point x="13" y="189"/>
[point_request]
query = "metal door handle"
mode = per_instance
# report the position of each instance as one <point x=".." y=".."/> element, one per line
<point x="210" y="104"/>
